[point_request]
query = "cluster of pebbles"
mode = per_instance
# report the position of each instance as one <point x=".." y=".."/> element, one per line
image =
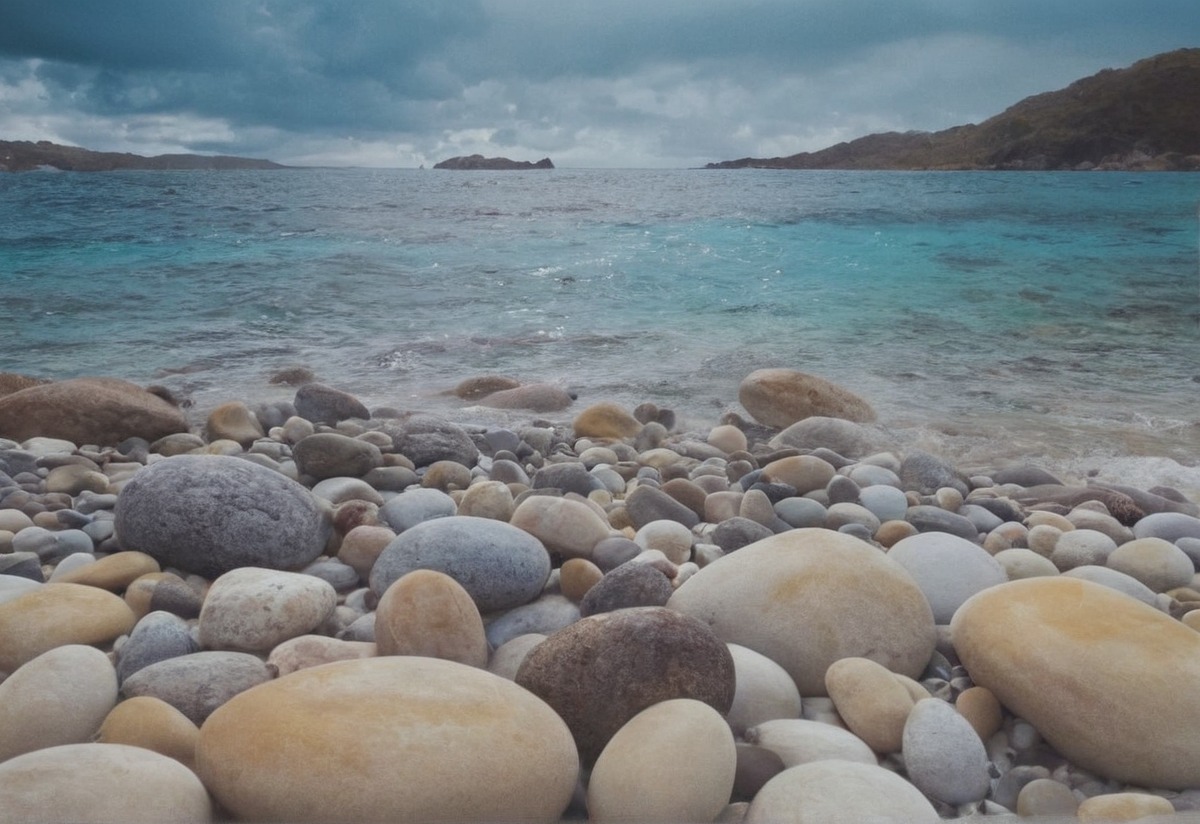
<point x="309" y="611"/>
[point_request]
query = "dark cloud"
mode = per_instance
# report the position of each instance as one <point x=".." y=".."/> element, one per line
<point x="619" y="82"/>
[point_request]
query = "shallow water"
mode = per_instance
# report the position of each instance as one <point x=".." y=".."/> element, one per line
<point x="987" y="316"/>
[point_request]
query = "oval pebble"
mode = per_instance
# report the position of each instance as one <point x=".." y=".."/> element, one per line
<point x="253" y="610"/>
<point x="839" y="791"/>
<point x="943" y="755"/>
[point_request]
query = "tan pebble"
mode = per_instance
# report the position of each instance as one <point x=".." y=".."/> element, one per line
<point x="757" y="507"/>
<point x="1192" y="619"/>
<point x="1044" y="798"/>
<point x="721" y="506"/>
<point x="73" y="479"/>
<point x="140" y="590"/>
<point x="151" y="723"/>
<point x="673" y="761"/>
<point x="916" y="690"/>
<point x="250" y="609"/>
<point x="233" y="421"/>
<point x="487" y="499"/>
<point x="764" y="691"/>
<point x="1084" y="518"/>
<point x="429" y="613"/>
<point x="46" y="520"/>
<point x="361" y="547"/>
<point x="567" y="526"/>
<point x="891" y="533"/>
<point x="313" y="650"/>
<point x="671" y="538"/>
<point x="1042" y="518"/>
<point x="660" y="458"/>
<point x="223" y="446"/>
<point x="1157" y="563"/>
<point x="805" y="472"/>
<point x="593" y="456"/>
<point x="870" y="700"/>
<point x="1042" y="538"/>
<point x="605" y="420"/>
<point x="507" y="658"/>
<point x="1025" y="563"/>
<point x="686" y="570"/>
<point x="114" y="572"/>
<point x="14" y="520"/>
<point x="800" y="741"/>
<point x="600" y="496"/>
<point x="619" y="519"/>
<point x="948" y="498"/>
<point x="578" y="575"/>
<point x="1123" y="807"/>
<point x="727" y="438"/>
<point x="981" y="709"/>
<point x="446" y="475"/>
<point x="58" y="614"/>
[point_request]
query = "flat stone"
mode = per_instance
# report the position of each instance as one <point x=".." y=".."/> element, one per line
<point x="253" y="610"/>
<point x="323" y="404"/>
<point x="395" y="738"/>
<point x="114" y="572"/>
<point x="59" y="697"/>
<point x="54" y="615"/>
<point x="1127" y="806"/>
<point x="647" y="504"/>
<point x="838" y="791"/>
<point x="429" y="613"/>
<point x="935" y="519"/>
<point x="499" y="565"/>
<point x="538" y="397"/>
<point x="210" y="514"/>
<point x="806" y="598"/>
<point x="306" y="651"/>
<point x="1170" y="526"/>
<point x="673" y="761"/>
<point x="103" y="411"/>
<point x="602" y="670"/>
<point x="99" y="784"/>
<point x="546" y="615"/>
<point x="1155" y="562"/>
<point x="415" y="506"/>
<point x="1060" y="653"/>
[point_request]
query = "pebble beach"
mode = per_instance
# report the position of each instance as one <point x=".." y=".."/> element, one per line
<point x="312" y="610"/>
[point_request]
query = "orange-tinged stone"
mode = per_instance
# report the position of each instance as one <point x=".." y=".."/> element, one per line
<point x="58" y="614"/>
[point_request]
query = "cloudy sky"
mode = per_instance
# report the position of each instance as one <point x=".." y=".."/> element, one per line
<point x="595" y="83"/>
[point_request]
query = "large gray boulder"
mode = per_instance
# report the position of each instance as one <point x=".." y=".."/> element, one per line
<point x="209" y="514"/>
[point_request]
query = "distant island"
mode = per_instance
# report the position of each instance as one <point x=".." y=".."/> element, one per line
<point x="24" y="156"/>
<point x="1142" y="118"/>
<point x="476" y="161"/>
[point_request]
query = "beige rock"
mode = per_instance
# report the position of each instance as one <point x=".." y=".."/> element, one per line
<point x="14" y="520"/>
<point x="489" y="499"/>
<point x="144" y="721"/>
<point x="1157" y="563"/>
<point x="800" y="741"/>
<point x="1062" y="652"/>
<point x="577" y="576"/>
<point x="60" y="697"/>
<point x="509" y="656"/>
<point x="568" y="527"/>
<point x="1124" y="807"/>
<point x="728" y="438"/>
<point x="55" y="615"/>
<point x="605" y="420"/>
<point x="1045" y="797"/>
<point x="808" y="597"/>
<point x="805" y="472"/>
<point x="73" y="479"/>
<point x="361" y="546"/>
<point x="982" y="710"/>
<point x="429" y="613"/>
<point x="480" y="386"/>
<point x="1042" y="539"/>
<point x="100" y="784"/>
<point x="114" y="572"/>
<point x="394" y="738"/>
<point x="102" y="411"/>
<point x="839" y="791"/>
<point x="671" y="538"/>
<point x="764" y="691"/>
<point x="891" y="533"/>
<point x="313" y="650"/>
<point x="780" y="397"/>
<point x="674" y="761"/>
<point x="233" y="421"/>
<point x="539" y="397"/>
<point x="1021" y="563"/>
<point x="871" y="701"/>
<point x="254" y="610"/>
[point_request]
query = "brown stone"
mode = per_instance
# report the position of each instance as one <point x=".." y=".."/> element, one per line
<point x="538" y="397"/>
<point x="152" y="723"/>
<point x="472" y="389"/>
<point x="58" y="614"/>
<point x="606" y="420"/>
<point x="114" y="572"/>
<point x="429" y="613"/>
<point x="102" y="411"/>
<point x="233" y="421"/>
<point x="780" y="397"/>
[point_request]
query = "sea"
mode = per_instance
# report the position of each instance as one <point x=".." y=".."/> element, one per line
<point x="991" y="318"/>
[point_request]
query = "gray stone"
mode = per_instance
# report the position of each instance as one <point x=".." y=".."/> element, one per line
<point x="1025" y="475"/>
<point x="197" y="684"/>
<point x="737" y="532"/>
<point x="391" y="478"/>
<point x="546" y="615"/>
<point x="926" y="474"/>
<point x="499" y="439"/>
<point x="947" y="568"/>
<point x="499" y="565"/>
<point x="1113" y="579"/>
<point x="416" y="506"/>
<point x="632" y="584"/>
<point x="156" y="637"/>
<point x="984" y="520"/>
<point x="943" y="754"/>
<point x="209" y="514"/>
<point x="646" y="504"/>
<point x="1170" y="526"/>
<point x="842" y="490"/>
<point x="853" y="440"/>
<point x="569" y="477"/>
<point x="888" y="503"/>
<point x="425" y="439"/>
<point x="613" y="551"/>
<point x="324" y="404"/>
<point x="801" y="512"/>
<point x="330" y="455"/>
<point x="935" y="519"/>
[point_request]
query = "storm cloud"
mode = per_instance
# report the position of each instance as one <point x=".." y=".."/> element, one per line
<point x="617" y="83"/>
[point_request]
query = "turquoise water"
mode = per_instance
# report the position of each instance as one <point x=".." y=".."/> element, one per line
<point x="984" y="315"/>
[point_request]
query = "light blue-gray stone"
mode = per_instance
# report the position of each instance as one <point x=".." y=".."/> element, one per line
<point x="416" y="506"/>
<point x="1170" y="526"/>
<point x="887" y="502"/>
<point x="943" y="755"/>
<point x="158" y="636"/>
<point x="544" y="616"/>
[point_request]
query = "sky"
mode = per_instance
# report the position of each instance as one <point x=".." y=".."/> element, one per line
<point x="597" y="84"/>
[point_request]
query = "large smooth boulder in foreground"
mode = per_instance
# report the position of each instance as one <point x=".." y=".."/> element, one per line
<point x="601" y="671"/>
<point x="103" y="411"/>
<point x="395" y="738"/>
<point x="209" y="514"/>
<point x="99" y="784"/>
<point x="780" y="397"/>
<point x="808" y="597"/>
<point x="1107" y="680"/>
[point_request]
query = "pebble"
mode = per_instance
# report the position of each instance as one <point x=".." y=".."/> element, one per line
<point x="547" y="614"/>
<point x="1127" y="806"/>
<point x="101" y="783"/>
<point x="394" y="738"/>
<point x="1081" y="547"/>
<point x="871" y="702"/>
<point x="801" y="741"/>
<point x="1045" y="797"/>
<point x="647" y="504"/>
<point x="54" y="615"/>
<point x="114" y="573"/>
<point x="565" y="526"/>
<point x="1115" y="580"/>
<point x="1155" y="562"/>
<point x="499" y="565"/>
<point x="799" y="598"/>
<point x="948" y="569"/>
<point x="836" y="790"/>
<point x="253" y="610"/>
<point x="671" y="538"/>
<point x="1024" y="563"/>
<point x="602" y="670"/>
<point x="234" y="421"/>
<point x="489" y="499"/>
<point x="633" y="584"/>
<point x="508" y="657"/>
<point x="59" y="697"/>
<point x="781" y="397"/>
<point x="605" y="420"/>
<point x="429" y="613"/>
<point x="935" y="519"/>
<point x="943" y="755"/>
<point x="981" y="709"/>
<point x="764" y="691"/>
<point x="673" y="761"/>
<point x="156" y="637"/>
<point x="578" y="576"/>
<point x="319" y="403"/>
<point x="154" y="725"/>
<point x="197" y="684"/>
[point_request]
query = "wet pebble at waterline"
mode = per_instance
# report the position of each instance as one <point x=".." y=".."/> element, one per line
<point x="534" y="619"/>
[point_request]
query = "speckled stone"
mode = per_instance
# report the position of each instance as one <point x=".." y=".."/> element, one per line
<point x="253" y="610"/>
<point x="197" y="684"/>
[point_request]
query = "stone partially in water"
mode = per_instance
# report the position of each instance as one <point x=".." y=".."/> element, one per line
<point x="103" y="411"/>
<point x="780" y="397"/>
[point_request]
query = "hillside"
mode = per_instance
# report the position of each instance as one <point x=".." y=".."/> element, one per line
<point x="23" y="156"/>
<point x="1145" y="117"/>
<point x="477" y="162"/>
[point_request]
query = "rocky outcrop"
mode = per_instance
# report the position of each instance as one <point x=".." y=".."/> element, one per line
<point x="476" y="162"/>
<point x="24" y="156"/>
